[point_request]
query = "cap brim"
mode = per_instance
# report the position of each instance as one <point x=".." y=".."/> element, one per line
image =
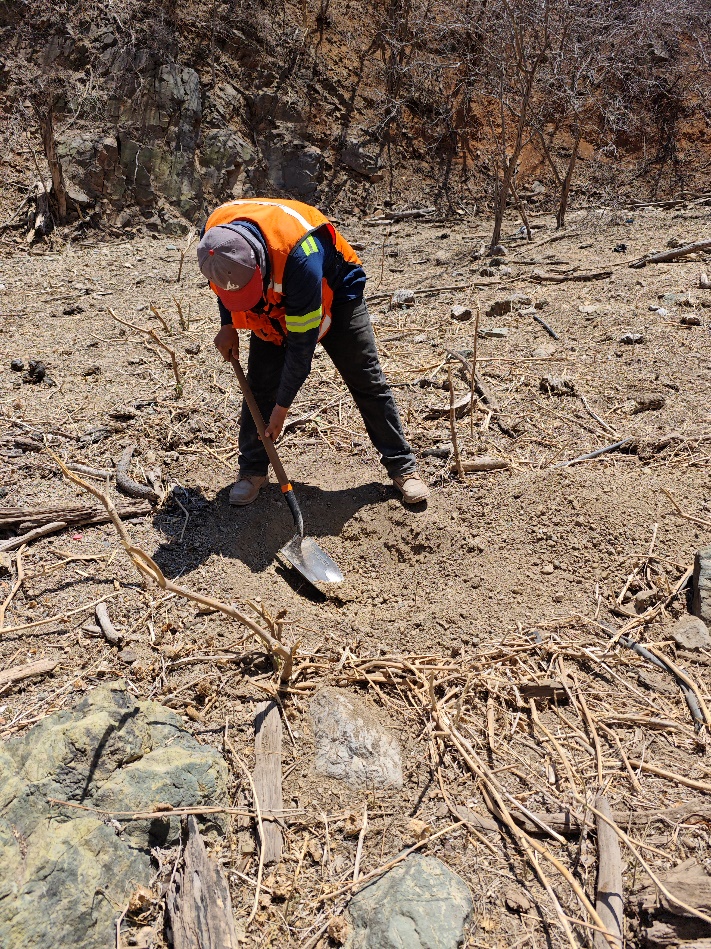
<point x="240" y="301"/>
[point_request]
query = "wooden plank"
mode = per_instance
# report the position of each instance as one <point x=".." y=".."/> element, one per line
<point x="198" y="901"/>
<point x="267" y="775"/>
<point x="610" y="900"/>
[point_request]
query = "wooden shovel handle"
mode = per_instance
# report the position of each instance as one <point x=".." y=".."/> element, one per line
<point x="269" y="446"/>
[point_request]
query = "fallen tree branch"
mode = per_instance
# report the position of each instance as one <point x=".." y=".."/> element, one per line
<point x="30" y="671"/>
<point x="15" y="518"/>
<point x="540" y="277"/>
<point x="111" y="635"/>
<point x="149" y="569"/>
<point x="594" y="454"/>
<point x="14" y="542"/>
<point x="668" y="255"/>
<point x="126" y="484"/>
<point x="609" y="900"/>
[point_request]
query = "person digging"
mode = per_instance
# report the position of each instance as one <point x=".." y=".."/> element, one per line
<point x="281" y="270"/>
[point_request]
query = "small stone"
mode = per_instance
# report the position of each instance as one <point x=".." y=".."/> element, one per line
<point x="648" y="403"/>
<point x="494" y="332"/>
<point x="352" y="745"/>
<point x="632" y="339"/>
<point x="128" y="656"/>
<point x="419" y="904"/>
<point x="72" y="310"/>
<point x="545" y="351"/>
<point x="620" y="248"/>
<point x="92" y="371"/>
<point x="192" y="349"/>
<point x="553" y="385"/>
<point x="461" y="313"/>
<point x="643" y="600"/>
<point x="17" y="365"/>
<point x="690" y="632"/>
<point x="690" y="321"/>
<point x="487" y="272"/>
<point x="704" y="282"/>
<point x="36" y="371"/>
<point x="496" y="262"/>
<point x="547" y="569"/>
<point x="419" y="829"/>
<point x="516" y="900"/>
<point x="505" y="271"/>
<point x="659" y="310"/>
<point x="498" y="251"/>
<point x="401" y="299"/>
<point x="338" y="930"/>
<point x="508" y="304"/>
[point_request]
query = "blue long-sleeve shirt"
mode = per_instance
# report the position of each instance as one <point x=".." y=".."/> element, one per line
<point x="315" y="258"/>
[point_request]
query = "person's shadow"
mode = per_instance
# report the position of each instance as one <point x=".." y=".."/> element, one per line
<point x="254" y="533"/>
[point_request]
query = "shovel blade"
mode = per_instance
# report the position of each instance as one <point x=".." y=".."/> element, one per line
<point x="312" y="562"/>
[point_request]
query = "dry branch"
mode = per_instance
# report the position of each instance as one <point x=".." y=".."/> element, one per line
<point x="111" y="635"/>
<point x="540" y="277"/>
<point x="150" y="570"/>
<point x="156" y="339"/>
<point x="267" y="775"/>
<point x="15" y="518"/>
<point x="668" y="255"/>
<point x="30" y="671"/>
<point x="126" y="484"/>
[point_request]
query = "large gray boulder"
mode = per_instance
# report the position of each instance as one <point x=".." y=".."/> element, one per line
<point x="419" y="904"/>
<point x="66" y="872"/>
<point x="352" y="744"/>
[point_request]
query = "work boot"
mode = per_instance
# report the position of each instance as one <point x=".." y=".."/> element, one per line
<point x="246" y="488"/>
<point x="412" y="487"/>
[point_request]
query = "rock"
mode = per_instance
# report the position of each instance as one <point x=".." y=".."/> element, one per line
<point x="17" y="365"/>
<point x="419" y="904"/>
<point x="496" y="262"/>
<point x="547" y="569"/>
<point x="493" y="332"/>
<point x="553" y="385"/>
<point x="545" y="351"/>
<point x="690" y="632"/>
<point x="704" y="282"/>
<point x="461" y="313"/>
<point x="631" y="339"/>
<point x="36" y="371"/>
<point x="702" y="585"/>
<point x="505" y="271"/>
<point x="620" y="248"/>
<point x="65" y="872"/>
<point x="128" y="656"/>
<point x="508" y="304"/>
<point x="356" y="157"/>
<point x="516" y="900"/>
<point x="643" y="600"/>
<point x="487" y="272"/>
<point x="690" y="321"/>
<point x="351" y="743"/>
<point x="192" y="349"/>
<point x="401" y="299"/>
<point x="648" y="403"/>
<point x="498" y="251"/>
<point x="659" y="310"/>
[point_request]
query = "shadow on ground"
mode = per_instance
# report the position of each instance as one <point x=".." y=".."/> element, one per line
<point x="253" y="534"/>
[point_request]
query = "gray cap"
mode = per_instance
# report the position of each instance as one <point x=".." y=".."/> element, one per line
<point x="226" y="257"/>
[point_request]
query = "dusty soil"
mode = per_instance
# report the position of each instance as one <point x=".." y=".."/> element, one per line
<point x="463" y="580"/>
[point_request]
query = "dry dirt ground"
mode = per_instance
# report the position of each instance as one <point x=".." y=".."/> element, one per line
<point x="503" y="578"/>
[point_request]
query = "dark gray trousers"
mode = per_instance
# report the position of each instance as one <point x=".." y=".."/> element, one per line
<point x="351" y="345"/>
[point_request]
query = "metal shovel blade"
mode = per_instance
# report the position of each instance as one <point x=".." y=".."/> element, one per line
<point x="312" y="562"/>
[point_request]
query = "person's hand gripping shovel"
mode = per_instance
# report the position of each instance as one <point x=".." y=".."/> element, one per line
<point x="303" y="553"/>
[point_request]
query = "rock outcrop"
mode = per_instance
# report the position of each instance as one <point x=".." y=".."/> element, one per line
<point x="65" y="873"/>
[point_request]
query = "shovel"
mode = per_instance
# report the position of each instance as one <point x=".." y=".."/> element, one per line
<point x="303" y="553"/>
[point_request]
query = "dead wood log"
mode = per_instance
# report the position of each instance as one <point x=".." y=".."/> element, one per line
<point x="540" y="277"/>
<point x="484" y="463"/>
<point x="30" y="671"/>
<point x="15" y="518"/>
<point x="267" y="775"/>
<point x="110" y="633"/>
<point x="198" y="900"/>
<point x="609" y="901"/>
<point x="668" y="255"/>
<point x="126" y="484"/>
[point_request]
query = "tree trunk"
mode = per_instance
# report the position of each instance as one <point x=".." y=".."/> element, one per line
<point x="45" y="117"/>
<point x="565" y="187"/>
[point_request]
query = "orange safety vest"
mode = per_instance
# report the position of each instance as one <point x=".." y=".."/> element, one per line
<point x="284" y="225"/>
